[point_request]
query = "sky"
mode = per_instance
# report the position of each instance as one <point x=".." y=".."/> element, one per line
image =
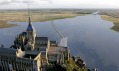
<point x="20" y="4"/>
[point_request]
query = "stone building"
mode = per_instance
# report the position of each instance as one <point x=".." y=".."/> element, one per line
<point x="58" y="54"/>
<point x="28" y="41"/>
<point x="33" y="53"/>
<point x="9" y="61"/>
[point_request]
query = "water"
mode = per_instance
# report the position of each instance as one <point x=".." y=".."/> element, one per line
<point x="89" y="37"/>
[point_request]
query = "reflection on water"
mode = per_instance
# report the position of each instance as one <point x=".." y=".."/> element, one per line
<point x="88" y="36"/>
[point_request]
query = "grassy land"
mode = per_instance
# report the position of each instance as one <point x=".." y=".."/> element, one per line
<point x="53" y="14"/>
<point x="115" y="20"/>
<point x="111" y="15"/>
<point x="23" y="16"/>
<point x="72" y="66"/>
<point x="44" y="15"/>
<point x="68" y="66"/>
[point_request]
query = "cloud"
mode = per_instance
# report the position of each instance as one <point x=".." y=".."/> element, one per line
<point x="59" y="4"/>
<point x="20" y="4"/>
<point x="23" y="1"/>
<point x="6" y="2"/>
<point x="3" y="2"/>
<point x="49" y="1"/>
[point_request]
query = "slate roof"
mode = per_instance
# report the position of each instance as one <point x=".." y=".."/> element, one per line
<point x="30" y="27"/>
<point x="30" y="56"/>
<point x="8" y="51"/>
<point x="24" y="33"/>
<point x="41" y="38"/>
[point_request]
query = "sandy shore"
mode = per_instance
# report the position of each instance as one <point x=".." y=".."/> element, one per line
<point x="4" y="24"/>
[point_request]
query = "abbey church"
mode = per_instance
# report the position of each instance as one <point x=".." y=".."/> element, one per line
<point x="32" y="53"/>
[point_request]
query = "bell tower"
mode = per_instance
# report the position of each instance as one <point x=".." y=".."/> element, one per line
<point x="31" y="32"/>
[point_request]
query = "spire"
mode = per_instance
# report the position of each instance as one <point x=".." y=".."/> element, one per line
<point x="29" y="20"/>
<point x="30" y="27"/>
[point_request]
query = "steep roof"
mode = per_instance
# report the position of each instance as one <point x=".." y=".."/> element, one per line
<point x="30" y="27"/>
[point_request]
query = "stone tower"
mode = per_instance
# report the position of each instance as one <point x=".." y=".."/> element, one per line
<point x="31" y="34"/>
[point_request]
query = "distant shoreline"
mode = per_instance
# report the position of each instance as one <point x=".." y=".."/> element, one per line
<point x="4" y="24"/>
<point x="35" y="17"/>
<point x="38" y="15"/>
<point x="112" y="19"/>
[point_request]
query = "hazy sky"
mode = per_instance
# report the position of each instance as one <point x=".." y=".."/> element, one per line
<point x="59" y="4"/>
